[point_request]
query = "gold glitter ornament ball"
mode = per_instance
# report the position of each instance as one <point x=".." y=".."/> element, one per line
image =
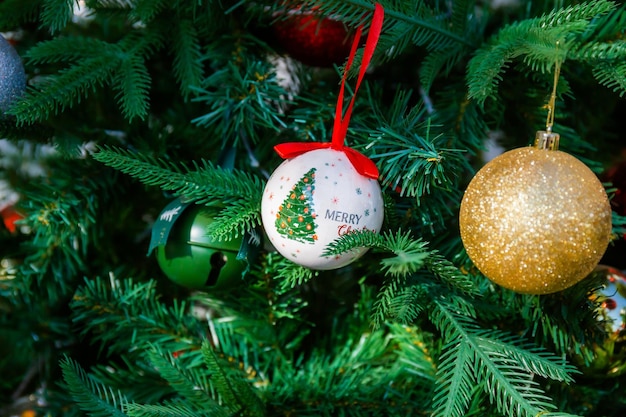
<point x="535" y="221"/>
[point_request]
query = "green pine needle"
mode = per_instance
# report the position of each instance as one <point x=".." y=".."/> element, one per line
<point x="205" y="183"/>
<point x="145" y="11"/>
<point x="612" y="76"/>
<point x="288" y="273"/>
<point x="188" y="382"/>
<point x="57" y="93"/>
<point x="172" y="409"/>
<point x="187" y="58"/>
<point x="232" y="388"/>
<point x="58" y="50"/>
<point x="456" y="381"/>
<point x="96" y="399"/>
<point x="504" y="365"/>
<point x="132" y="83"/>
<point x="540" y="41"/>
<point x="56" y="14"/>
<point x="136" y="314"/>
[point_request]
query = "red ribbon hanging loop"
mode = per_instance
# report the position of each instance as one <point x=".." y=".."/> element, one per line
<point x="361" y="163"/>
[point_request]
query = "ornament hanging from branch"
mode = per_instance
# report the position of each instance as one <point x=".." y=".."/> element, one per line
<point x="12" y="75"/>
<point x="536" y="220"/>
<point x="325" y="190"/>
<point x="187" y="255"/>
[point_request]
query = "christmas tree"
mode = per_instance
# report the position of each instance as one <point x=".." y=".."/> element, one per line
<point x="296" y="218"/>
<point x="130" y="104"/>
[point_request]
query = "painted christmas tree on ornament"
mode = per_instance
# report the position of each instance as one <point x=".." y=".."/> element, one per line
<point x="295" y="218"/>
<point x="324" y="190"/>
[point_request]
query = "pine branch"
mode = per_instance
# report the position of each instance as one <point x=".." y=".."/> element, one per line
<point x="542" y="41"/>
<point x="411" y="255"/>
<point x="208" y="184"/>
<point x="461" y="9"/>
<point x="612" y="76"/>
<point x="56" y="14"/>
<point x="456" y="381"/>
<point x="599" y="51"/>
<point x="453" y="316"/>
<point x="148" y="170"/>
<point x="134" y="312"/>
<point x="93" y="63"/>
<point x="408" y="148"/>
<point x="513" y="390"/>
<point x="235" y="391"/>
<point x="62" y="215"/>
<point x="529" y="357"/>
<point x="608" y="27"/>
<point x="577" y="12"/>
<point x="171" y="409"/>
<point x="65" y="89"/>
<point x="204" y="184"/>
<point x="273" y="314"/>
<point x="551" y="318"/>
<point x="241" y="98"/>
<point x="290" y="274"/>
<point x="133" y="373"/>
<point x="399" y="300"/>
<point x="449" y="274"/>
<point x="188" y="382"/>
<point x="411" y="162"/>
<point x="187" y="58"/>
<point x="132" y="84"/>
<point x="235" y="220"/>
<point x="96" y="399"/>
<point x="505" y="364"/>
<point x="367" y="375"/>
<point x="416" y="352"/>
<point x="58" y="50"/>
<point x="222" y="383"/>
<point x="147" y="10"/>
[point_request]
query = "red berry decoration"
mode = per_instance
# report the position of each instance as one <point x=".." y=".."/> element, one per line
<point x="313" y="40"/>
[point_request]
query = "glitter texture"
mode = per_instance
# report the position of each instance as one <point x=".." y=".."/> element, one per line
<point x="12" y="75"/>
<point x="535" y="221"/>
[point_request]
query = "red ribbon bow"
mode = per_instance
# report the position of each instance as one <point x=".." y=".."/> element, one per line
<point x="361" y="163"/>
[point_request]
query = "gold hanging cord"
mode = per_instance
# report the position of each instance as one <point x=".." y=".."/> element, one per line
<point x="546" y="139"/>
<point x="552" y="102"/>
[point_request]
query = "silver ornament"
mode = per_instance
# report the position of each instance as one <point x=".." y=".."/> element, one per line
<point x="12" y="75"/>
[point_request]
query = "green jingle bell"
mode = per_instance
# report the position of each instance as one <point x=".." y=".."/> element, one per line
<point x="191" y="258"/>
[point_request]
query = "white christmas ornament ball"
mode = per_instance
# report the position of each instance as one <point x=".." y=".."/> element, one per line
<point x="313" y="199"/>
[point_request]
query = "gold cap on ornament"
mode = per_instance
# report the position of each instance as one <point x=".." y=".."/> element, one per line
<point x="546" y="139"/>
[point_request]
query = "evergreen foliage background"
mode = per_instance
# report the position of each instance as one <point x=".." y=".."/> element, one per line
<point x="139" y="101"/>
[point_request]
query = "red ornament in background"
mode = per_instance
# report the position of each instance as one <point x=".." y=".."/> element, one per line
<point x="9" y="217"/>
<point x="313" y="40"/>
